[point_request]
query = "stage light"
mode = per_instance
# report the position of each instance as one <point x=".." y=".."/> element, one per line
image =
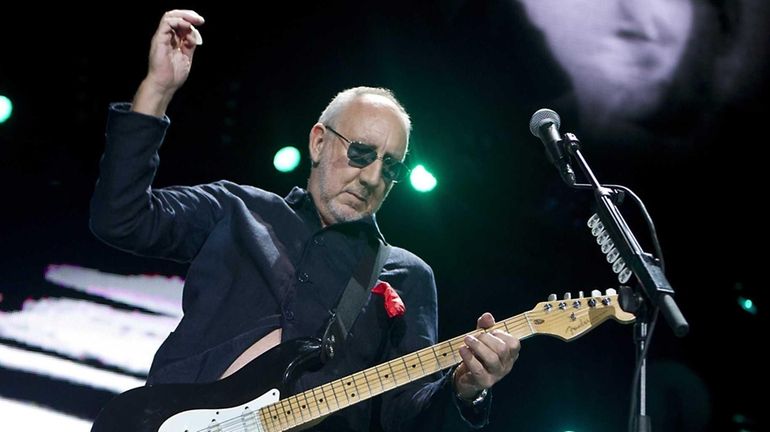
<point x="6" y="108"/>
<point x="286" y="159"/>
<point x="422" y="180"/>
<point x="747" y="305"/>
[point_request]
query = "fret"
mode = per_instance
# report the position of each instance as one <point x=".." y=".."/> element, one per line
<point x="351" y="389"/>
<point x="366" y="381"/>
<point x="329" y="388"/>
<point x="436" y="357"/>
<point x="288" y="410"/>
<point x="392" y="374"/>
<point x="315" y="401"/>
<point x="444" y="358"/>
<point x="325" y="398"/>
<point x="273" y="415"/>
<point x="378" y="375"/>
<point x="306" y="404"/>
<point x="406" y="368"/>
<point x="419" y="361"/>
<point x="297" y="408"/>
<point x="332" y="389"/>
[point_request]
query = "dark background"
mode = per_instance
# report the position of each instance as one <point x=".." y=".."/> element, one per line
<point x="501" y="230"/>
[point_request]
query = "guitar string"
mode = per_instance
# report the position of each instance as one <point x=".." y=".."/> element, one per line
<point x="519" y="322"/>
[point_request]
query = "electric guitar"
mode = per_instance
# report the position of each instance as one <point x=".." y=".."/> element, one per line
<point x="250" y="400"/>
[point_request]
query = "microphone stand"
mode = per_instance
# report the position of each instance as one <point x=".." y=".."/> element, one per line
<point x="656" y="292"/>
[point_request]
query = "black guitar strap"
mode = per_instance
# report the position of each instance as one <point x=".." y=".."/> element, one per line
<point x="353" y="298"/>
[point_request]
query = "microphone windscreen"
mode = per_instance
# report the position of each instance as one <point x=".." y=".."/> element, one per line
<point x="541" y="117"/>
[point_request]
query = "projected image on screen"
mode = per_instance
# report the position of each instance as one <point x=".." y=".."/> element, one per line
<point x="621" y="56"/>
<point x="662" y="67"/>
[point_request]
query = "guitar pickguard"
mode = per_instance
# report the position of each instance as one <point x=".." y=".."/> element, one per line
<point x="245" y="416"/>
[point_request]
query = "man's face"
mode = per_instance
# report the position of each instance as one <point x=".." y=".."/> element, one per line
<point x="620" y="54"/>
<point x="340" y="191"/>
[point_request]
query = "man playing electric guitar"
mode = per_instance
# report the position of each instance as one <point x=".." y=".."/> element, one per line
<point x="266" y="270"/>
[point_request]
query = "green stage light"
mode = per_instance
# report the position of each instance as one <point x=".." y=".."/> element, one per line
<point x="422" y="180"/>
<point x="748" y="305"/>
<point x="286" y="159"/>
<point x="6" y="108"/>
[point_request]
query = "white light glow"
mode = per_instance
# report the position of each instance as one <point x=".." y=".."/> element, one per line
<point x="67" y="370"/>
<point x="161" y="294"/>
<point x="81" y="329"/>
<point x="19" y="416"/>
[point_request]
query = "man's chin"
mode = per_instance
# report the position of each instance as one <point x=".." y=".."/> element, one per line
<point x="346" y="213"/>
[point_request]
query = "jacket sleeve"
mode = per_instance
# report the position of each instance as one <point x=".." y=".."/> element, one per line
<point x="428" y="403"/>
<point x="127" y="213"/>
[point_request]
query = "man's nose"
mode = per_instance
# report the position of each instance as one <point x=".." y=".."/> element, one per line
<point x="638" y="17"/>
<point x="371" y="174"/>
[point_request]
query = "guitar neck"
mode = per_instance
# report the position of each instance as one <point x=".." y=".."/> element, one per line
<point x="566" y="319"/>
<point x="323" y="400"/>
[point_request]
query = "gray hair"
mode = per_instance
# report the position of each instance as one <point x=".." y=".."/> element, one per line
<point x="343" y="98"/>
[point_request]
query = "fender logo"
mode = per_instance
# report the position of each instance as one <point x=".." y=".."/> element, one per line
<point x="577" y="327"/>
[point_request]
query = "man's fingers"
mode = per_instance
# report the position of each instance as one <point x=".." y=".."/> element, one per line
<point x="490" y="350"/>
<point x="188" y="15"/>
<point x="472" y="364"/>
<point x="181" y="30"/>
<point x="479" y="378"/>
<point x="512" y="342"/>
<point x="486" y="320"/>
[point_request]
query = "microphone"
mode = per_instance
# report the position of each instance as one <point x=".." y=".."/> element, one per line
<point x="544" y="124"/>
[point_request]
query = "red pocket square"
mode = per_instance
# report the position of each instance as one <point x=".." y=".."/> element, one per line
<point x="394" y="306"/>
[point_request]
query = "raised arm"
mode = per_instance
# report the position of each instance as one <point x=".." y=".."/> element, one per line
<point x="126" y="212"/>
<point x="171" y="54"/>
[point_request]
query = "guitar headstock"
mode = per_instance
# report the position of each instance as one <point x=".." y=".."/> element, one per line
<point x="570" y="318"/>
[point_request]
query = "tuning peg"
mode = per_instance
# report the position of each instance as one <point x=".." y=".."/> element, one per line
<point x="596" y="293"/>
<point x="567" y="295"/>
<point x="551" y="297"/>
<point x="611" y="291"/>
<point x="580" y="294"/>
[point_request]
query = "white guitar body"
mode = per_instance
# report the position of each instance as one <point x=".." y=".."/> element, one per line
<point x="245" y="417"/>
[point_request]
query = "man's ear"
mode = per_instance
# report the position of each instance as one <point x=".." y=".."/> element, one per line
<point x="316" y="142"/>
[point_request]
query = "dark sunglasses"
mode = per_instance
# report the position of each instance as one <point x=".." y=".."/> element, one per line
<point x="361" y="155"/>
